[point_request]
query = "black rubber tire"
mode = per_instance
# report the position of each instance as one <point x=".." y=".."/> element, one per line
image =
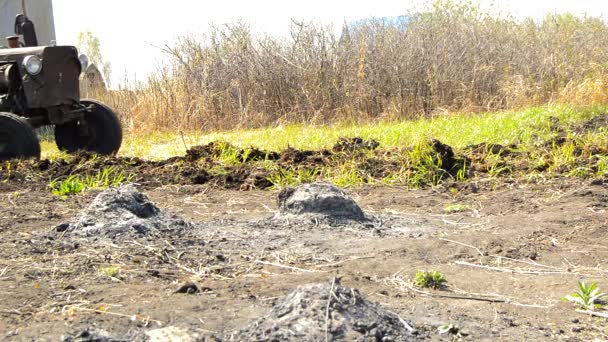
<point x="104" y="131"/>
<point x="17" y="138"/>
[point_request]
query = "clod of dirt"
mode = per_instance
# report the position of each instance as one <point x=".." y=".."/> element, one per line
<point x="449" y="161"/>
<point x="327" y="311"/>
<point x="122" y="212"/>
<point x="354" y="144"/>
<point x="91" y="336"/>
<point x="318" y="201"/>
<point x="188" y="288"/>
<point x="292" y="155"/>
<point x="594" y="123"/>
<point x="485" y="148"/>
<point x="215" y="149"/>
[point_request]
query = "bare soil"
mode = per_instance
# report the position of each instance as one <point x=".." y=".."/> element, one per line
<point x="509" y="259"/>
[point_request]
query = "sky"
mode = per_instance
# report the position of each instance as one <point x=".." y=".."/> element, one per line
<point x="131" y="31"/>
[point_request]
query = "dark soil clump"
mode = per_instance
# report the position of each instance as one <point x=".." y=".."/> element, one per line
<point x="449" y="161"/>
<point x="484" y="148"/>
<point x="355" y="144"/>
<point x="594" y="123"/>
<point x="331" y="312"/>
<point x="294" y="156"/>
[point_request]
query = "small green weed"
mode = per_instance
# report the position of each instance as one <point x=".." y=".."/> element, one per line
<point x="586" y="297"/>
<point x="452" y="329"/>
<point x="346" y="175"/>
<point x="71" y="186"/>
<point x="456" y="208"/>
<point x="461" y="174"/>
<point x="110" y="271"/>
<point x="499" y="169"/>
<point x="8" y="170"/>
<point x="430" y="279"/>
<point x="109" y="176"/>
<point x="284" y="178"/>
<point x="579" y="172"/>
<point x="602" y="166"/>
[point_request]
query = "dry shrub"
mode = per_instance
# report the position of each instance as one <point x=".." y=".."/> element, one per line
<point x="591" y="91"/>
<point x="450" y="56"/>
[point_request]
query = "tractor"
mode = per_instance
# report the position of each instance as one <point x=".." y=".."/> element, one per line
<point x="39" y="86"/>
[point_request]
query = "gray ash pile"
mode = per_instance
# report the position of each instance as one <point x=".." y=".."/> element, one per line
<point x="318" y="202"/>
<point x="331" y="312"/>
<point x="122" y="212"/>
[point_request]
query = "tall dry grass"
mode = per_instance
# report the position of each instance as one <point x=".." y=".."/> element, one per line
<point x="450" y="56"/>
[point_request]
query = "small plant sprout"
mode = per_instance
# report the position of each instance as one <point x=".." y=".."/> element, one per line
<point x="586" y="297"/>
<point x="110" y="271"/>
<point x="453" y="330"/>
<point x="456" y="208"/>
<point x="430" y="279"/>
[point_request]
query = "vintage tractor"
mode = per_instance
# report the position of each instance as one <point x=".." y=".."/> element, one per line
<point x="39" y="86"/>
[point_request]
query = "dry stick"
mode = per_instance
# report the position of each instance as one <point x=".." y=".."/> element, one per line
<point x="184" y="140"/>
<point x="533" y="263"/>
<point x="16" y="312"/>
<point x="327" y="321"/>
<point x="3" y="271"/>
<point x="288" y="267"/>
<point x="405" y="324"/>
<point x="509" y="270"/>
<point x="463" y="244"/>
<point x="148" y="319"/>
<point x="593" y="313"/>
<point x="343" y="261"/>
<point x="502" y="257"/>
<point x="481" y="299"/>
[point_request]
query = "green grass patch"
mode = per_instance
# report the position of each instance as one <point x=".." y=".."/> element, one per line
<point x="430" y="279"/>
<point x="456" y="208"/>
<point x="109" y="176"/>
<point x="524" y="144"/>
<point x="458" y="130"/>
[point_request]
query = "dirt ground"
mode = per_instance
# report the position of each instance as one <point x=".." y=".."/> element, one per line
<point x="508" y="259"/>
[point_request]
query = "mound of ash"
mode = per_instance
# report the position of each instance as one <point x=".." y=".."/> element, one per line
<point x="122" y="212"/>
<point x="318" y="202"/>
<point x="324" y="312"/>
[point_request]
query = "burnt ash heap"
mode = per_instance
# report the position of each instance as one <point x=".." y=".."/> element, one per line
<point x="328" y="311"/>
<point x="122" y="212"/>
<point x="318" y="202"/>
<point x="322" y="205"/>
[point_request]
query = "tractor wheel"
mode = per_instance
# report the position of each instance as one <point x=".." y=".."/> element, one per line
<point x="101" y="133"/>
<point x="17" y="138"/>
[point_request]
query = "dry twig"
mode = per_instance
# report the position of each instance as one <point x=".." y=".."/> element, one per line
<point x="512" y="270"/>
<point x="288" y="267"/>
<point x="593" y="313"/>
<point x="327" y="321"/>
<point x="402" y="283"/>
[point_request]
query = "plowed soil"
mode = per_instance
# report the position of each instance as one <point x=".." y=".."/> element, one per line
<point x="510" y="253"/>
<point x="203" y="165"/>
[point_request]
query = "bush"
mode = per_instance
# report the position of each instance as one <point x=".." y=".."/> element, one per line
<point x="449" y="56"/>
